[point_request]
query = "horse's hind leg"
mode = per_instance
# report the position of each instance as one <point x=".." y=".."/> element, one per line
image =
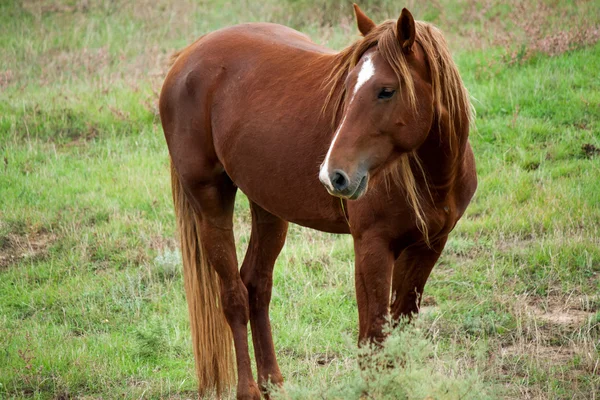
<point x="411" y="270"/>
<point x="266" y="241"/>
<point x="214" y="198"/>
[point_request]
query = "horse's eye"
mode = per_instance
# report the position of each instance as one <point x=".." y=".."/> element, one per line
<point x="386" y="93"/>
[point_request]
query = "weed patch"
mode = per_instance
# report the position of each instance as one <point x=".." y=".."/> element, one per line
<point x="406" y="367"/>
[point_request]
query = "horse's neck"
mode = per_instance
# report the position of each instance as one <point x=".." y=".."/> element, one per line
<point x="442" y="158"/>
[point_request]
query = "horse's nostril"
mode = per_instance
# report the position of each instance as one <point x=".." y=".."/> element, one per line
<point x="339" y="180"/>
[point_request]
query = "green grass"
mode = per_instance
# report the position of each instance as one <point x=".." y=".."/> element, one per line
<point x="91" y="296"/>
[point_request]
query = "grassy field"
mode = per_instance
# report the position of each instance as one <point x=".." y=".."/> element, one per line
<point x="91" y="296"/>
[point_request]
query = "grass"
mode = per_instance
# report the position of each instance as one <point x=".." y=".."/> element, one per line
<point x="91" y="297"/>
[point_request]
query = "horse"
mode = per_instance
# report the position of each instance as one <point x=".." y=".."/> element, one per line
<point x="370" y="141"/>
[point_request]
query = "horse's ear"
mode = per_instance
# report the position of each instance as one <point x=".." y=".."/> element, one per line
<point x="365" y="24"/>
<point x="405" y="29"/>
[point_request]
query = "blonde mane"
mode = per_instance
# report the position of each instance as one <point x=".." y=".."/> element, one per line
<point x="449" y="94"/>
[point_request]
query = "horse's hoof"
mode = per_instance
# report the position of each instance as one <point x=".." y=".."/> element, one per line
<point x="250" y="392"/>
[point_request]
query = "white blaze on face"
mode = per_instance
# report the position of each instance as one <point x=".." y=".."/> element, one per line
<point x="367" y="71"/>
<point x="324" y="172"/>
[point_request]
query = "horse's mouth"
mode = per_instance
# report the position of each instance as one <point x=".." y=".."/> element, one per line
<point x="361" y="189"/>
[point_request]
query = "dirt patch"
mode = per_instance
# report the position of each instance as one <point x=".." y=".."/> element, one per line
<point x="558" y="321"/>
<point x="590" y="150"/>
<point x="516" y="243"/>
<point x="573" y="318"/>
<point x="324" y="358"/>
<point x="553" y="334"/>
<point x="428" y="301"/>
<point x="161" y="243"/>
<point x="555" y="355"/>
<point x="14" y="248"/>
<point x="6" y="78"/>
<point x="568" y="312"/>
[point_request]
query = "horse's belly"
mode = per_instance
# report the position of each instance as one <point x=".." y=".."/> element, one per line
<point x="288" y="195"/>
<point x="279" y="172"/>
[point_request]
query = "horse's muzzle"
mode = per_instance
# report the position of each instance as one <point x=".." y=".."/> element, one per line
<point x="339" y="184"/>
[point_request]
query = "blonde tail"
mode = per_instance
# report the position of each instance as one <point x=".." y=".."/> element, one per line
<point x="211" y="335"/>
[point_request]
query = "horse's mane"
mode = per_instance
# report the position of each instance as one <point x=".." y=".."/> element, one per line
<point x="449" y="93"/>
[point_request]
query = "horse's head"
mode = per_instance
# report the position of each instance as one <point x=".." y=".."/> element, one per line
<point x="388" y="107"/>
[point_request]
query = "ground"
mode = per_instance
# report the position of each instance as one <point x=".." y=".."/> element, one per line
<point x="91" y="297"/>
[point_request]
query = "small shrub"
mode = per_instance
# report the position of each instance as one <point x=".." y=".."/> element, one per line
<point x="406" y="367"/>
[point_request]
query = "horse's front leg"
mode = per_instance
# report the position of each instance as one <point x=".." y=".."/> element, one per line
<point x="411" y="270"/>
<point x="373" y="277"/>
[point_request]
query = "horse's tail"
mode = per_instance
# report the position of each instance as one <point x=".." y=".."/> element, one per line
<point x="175" y="55"/>
<point x="211" y="336"/>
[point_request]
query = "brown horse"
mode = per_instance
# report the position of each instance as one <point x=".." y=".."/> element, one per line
<point x="259" y="107"/>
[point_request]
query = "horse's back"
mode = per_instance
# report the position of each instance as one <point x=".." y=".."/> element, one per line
<point x="253" y="36"/>
<point x="252" y="43"/>
<point x="246" y="59"/>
